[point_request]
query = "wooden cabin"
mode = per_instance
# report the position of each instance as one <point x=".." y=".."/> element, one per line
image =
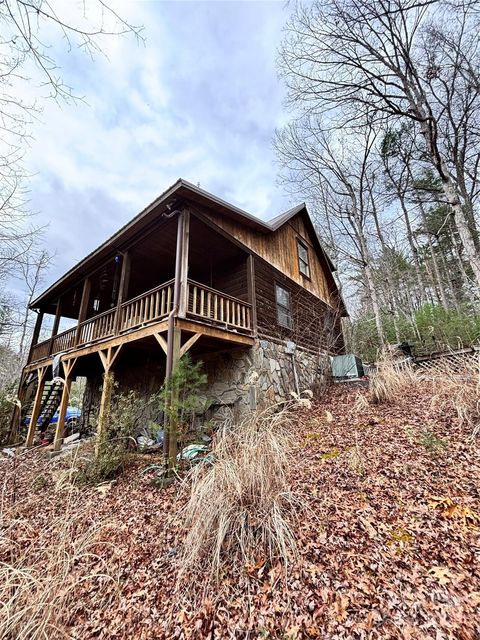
<point x="255" y="301"/>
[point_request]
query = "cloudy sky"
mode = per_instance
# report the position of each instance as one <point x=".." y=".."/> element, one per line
<point x="200" y="99"/>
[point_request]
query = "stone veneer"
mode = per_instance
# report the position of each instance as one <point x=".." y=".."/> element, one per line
<point x="264" y="374"/>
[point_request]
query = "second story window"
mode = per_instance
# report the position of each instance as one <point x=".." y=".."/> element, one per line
<point x="284" y="311"/>
<point x="303" y="259"/>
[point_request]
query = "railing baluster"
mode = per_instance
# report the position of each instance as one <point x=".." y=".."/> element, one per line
<point x="162" y="306"/>
<point x="195" y="291"/>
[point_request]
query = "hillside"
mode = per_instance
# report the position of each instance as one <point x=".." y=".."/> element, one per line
<point x="387" y="528"/>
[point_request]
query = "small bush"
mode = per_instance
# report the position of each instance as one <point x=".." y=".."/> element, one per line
<point x="240" y="506"/>
<point x="432" y="442"/>
<point x="109" y="462"/>
<point x="127" y="416"/>
<point x="6" y="410"/>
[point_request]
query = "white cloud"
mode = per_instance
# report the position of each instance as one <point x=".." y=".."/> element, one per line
<point x="200" y="100"/>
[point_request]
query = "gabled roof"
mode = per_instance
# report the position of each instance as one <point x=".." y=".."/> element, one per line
<point x="181" y="190"/>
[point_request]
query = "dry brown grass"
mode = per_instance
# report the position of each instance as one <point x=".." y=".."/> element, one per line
<point x="241" y="509"/>
<point x="391" y="379"/>
<point x="42" y="570"/>
<point x="456" y="386"/>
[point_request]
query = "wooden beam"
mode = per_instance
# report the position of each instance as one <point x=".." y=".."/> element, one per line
<point x="103" y="358"/>
<point x="56" y="323"/>
<point x="113" y="354"/>
<point x="62" y="412"/>
<point x="206" y="330"/>
<point x="108" y="356"/>
<point x="37" y="405"/>
<point x="188" y="344"/>
<point x="161" y="341"/>
<point x="87" y="286"/>
<point x="122" y="290"/>
<point x="38" y="327"/>
<point x="36" y="333"/>
<point x="68" y="365"/>
<point x="187" y="325"/>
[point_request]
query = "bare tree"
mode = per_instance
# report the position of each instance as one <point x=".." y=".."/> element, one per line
<point x="25" y="26"/>
<point x="346" y="58"/>
<point x="32" y="273"/>
<point x="329" y="170"/>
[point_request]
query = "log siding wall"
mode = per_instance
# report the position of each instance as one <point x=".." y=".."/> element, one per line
<point x="279" y="248"/>
<point x="316" y="325"/>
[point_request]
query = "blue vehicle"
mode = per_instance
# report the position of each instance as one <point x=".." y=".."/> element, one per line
<point x="72" y="418"/>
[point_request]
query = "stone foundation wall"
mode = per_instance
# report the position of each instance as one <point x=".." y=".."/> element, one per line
<point x="239" y="380"/>
<point x="265" y="374"/>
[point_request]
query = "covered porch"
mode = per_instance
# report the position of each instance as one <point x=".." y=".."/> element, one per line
<point x="119" y="311"/>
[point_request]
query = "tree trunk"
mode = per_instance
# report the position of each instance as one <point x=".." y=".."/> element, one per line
<point x="461" y="223"/>
<point x="375" y="304"/>
<point x="438" y="277"/>
<point x="428" y="127"/>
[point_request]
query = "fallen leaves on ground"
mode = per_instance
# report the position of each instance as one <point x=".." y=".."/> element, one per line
<point x="388" y="537"/>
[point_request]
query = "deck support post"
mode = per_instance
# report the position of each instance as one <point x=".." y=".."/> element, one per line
<point x="174" y="335"/>
<point x="37" y="404"/>
<point x="107" y="357"/>
<point x="62" y="413"/>
<point x="171" y="430"/>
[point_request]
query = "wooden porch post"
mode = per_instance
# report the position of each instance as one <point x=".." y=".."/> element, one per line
<point x="174" y="335"/>
<point x="107" y="357"/>
<point x="251" y="292"/>
<point x="62" y="413"/>
<point x="58" y="315"/>
<point x="173" y="421"/>
<point x="36" y="333"/>
<point x="38" y="327"/>
<point x="87" y="285"/>
<point x="122" y="290"/>
<point x="37" y="405"/>
<point x="183" y="298"/>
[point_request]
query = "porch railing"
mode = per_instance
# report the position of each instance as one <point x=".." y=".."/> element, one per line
<point x="147" y="307"/>
<point x="40" y="351"/>
<point x="64" y="341"/>
<point x="98" y="327"/>
<point x="218" y="308"/>
<point x="203" y="304"/>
